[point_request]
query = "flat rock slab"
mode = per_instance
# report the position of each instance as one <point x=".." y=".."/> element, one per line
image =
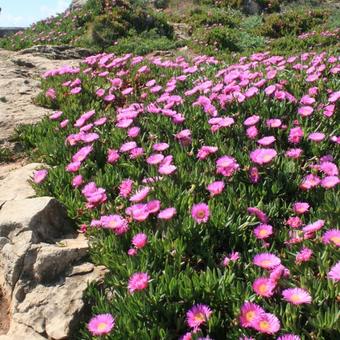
<point x="20" y="83"/>
<point x="14" y="184"/>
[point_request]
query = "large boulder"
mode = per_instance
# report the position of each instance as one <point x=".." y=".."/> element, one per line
<point x="75" y="4"/>
<point x="43" y="272"/>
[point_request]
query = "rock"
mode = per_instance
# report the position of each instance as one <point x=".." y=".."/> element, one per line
<point x="42" y="269"/>
<point x="251" y="7"/>
<point x="182" y="31"/>
<point x="16" y="98"/>
<point x="75" y="4"/>
<point x="57" y="52"/>
<point x="15" y="185"/>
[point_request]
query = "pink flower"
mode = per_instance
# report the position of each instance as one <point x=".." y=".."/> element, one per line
<point x="160" y="147"/>
<point x="329" y="168"/>
<point x="138" y="282"/>
<point x="305" y="111"/>
<point x="278" y="272"/>
<point x="267" y="324"/>
<point x="198" y="315"/>
<point x="128" y="146"/>
<point x="330" y="182"/>
<point x="295" y="135"/>
<point x="263" y="156"/>
<point x="254" y="175"/>
<point x="133" y="132"/>
<point x="82" y="154"/>
<point x="140" y="195"/>
<point x="266" y="260"/>
<point x="200" y="213"/>
<point x="40" y="175"/>
<point x="263" y="286"/>
<point x="132" y="252"/>
<point x="101" y="324"/>
<point x="273" y="123"/>
<point x="289" y="337"/>
<point x="263" y="231"/>
<point x="77" y="181"/>
<point x="50" y="93"/>
<point x="265" y="141"/>
<point x="125" y="188"/>
<point x="250" y="313"/>
<point x="56" y="115"/>
<point x="116" y="223"/>
<point x="187" y="336"/>
<point x="226" y="166"/>
<point x="64" y="123"/>
<point x="136" y="152"/>
<point x="294" y="222"/>
<point x="112" y="156"/>
<point x="316" y="136"/>
<point x="215" y="188"/>
<point x="313" y="227"/>
<point x="167" y="169"/>
<point x="296" y="296"/>
<point x="252" y="132"/>
<point x="166" y="214"/>
<point x="334" y="273"/>
<point x="258" y="213"/>
<point x="140" y="240"/>
<point x="73" y="166"/>
<point x="252" y="120"/>
<point x="303" y="255"/>
<point x="76" y="90"/>
<point x="309" y="182"/>
<point x="294" y="153"/>
<point x="332" y="235"/>
<point x="139" y="212"/>
<point x="155" y="158"/>
<point x="153" y="206"/>
<point x="300" y="207"/>
<point x="205" y="151"/>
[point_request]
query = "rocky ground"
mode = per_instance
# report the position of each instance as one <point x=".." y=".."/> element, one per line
<point x="43" y="267"/>
<point x="19" y="83"/>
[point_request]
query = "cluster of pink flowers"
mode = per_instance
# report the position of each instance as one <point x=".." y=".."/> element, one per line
<point x="287" y="143"/>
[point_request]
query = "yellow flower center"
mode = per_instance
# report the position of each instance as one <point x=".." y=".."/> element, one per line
<point x="263" y="232"/>
<point x="199" y="317"/>
<point x="250" y="315"/>
<point x="265" y="263"/>
<point x="295" y="298"/>
<point x="112" y="224"/>
<point x="101" y="326"/>
<point x="263" y="288"/>
<point x="335" y="239"/>
<point x="267" y="158"/>
<point x="264" y="325"/>
<point x="201" y="214"/>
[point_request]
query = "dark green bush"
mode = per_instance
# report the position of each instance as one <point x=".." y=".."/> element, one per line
<point x="292" y="22"/>
<point x="214" y="16"/>
<point x="106" y="29"/>
<point x="146" y="42"/>
<point x="224" y="37"/>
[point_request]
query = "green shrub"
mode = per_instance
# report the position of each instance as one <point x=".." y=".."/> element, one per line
<point x="106" y="29"/>
<point x="292" y="22"/>
<point x="214" y="16"/>
<point x="223" y="37"/>
<point x="144" y="43"/>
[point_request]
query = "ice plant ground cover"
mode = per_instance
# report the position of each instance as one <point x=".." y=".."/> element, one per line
<point x="210" y="191"/>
